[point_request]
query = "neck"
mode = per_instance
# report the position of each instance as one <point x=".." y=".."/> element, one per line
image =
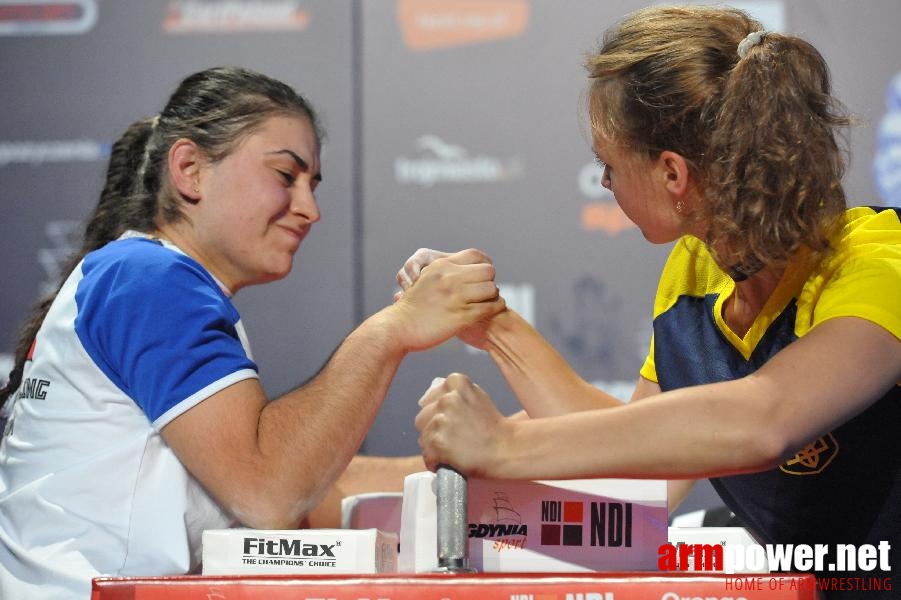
<point x="180" y="234"/>
<point x="742" y="308"/>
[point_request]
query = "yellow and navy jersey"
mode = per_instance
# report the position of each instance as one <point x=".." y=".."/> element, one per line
<point x="844" y="487"/>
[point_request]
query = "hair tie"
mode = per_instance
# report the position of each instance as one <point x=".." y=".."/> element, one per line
<point x="751" y="40"/>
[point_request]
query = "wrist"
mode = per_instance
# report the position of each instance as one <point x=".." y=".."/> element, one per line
<point x="500" y="328"/>
<point x="385" y="330"/>
<point x="500" y="460"/>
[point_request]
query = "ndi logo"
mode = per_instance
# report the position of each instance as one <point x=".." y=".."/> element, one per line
<point x="610" y="523"/>
<point x="561" y="523"/>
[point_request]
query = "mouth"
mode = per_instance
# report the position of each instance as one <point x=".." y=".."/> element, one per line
<point x="297" y="234"/>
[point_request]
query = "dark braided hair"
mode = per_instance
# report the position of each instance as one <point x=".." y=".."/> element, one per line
<point x="216" y="109"/>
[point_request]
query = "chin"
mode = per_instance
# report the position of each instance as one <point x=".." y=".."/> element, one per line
<point x="658" y="237"/>
<point x="285" y="269"/>
<point x="276" y="272"/>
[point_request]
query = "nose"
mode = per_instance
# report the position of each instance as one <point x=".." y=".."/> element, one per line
<point x="605" y="177"/>
<point x="303" y="203"/>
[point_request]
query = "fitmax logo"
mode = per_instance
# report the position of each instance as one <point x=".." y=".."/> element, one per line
<point x="283" y="547"/>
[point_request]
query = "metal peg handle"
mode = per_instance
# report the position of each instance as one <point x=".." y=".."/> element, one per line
<point x="453" y="548"/>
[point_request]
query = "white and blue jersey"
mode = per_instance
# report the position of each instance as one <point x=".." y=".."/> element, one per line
<point x="138" y="334"/>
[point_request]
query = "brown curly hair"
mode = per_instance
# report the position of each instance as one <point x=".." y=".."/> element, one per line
<point x="760" y="133"/>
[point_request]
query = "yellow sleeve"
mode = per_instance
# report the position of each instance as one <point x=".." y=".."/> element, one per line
<point x="648" y="369"/>
<point x="863" y="278"/>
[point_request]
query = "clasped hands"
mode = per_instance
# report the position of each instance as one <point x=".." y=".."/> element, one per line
<point x="457" y="422"/>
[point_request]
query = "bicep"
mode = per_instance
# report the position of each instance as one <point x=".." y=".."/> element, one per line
<point x="828" y="376"/>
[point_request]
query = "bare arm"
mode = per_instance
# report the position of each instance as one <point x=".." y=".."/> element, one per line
<point x="745" y="425"/>
<point x="539" y="376"/>
<point x="364" y="474"/>
<point x="676" y="489"/>
<point x="270" y="463"/>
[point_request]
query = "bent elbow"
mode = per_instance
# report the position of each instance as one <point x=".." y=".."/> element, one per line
<point x="768" y="450"/>
<point x="261" y="510"/>
<point x="271" y="521"/>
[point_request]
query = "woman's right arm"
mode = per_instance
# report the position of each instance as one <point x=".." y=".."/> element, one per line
<point x="271" y="462"/>
<point x="543" y="382"/>
<point x="676" y="489"/>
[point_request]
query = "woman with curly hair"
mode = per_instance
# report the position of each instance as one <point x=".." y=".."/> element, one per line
<point x="776" y="353"/>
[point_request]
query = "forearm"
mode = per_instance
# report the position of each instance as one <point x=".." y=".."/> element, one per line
<point x="698" y="438"/>
<point x="539" y="376"/>
<point x="364" y="474"/>
<point x="309" y="435"/>
<point x="744" y="425"/>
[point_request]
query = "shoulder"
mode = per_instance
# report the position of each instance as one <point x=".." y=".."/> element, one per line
<point x="869" y="225"/>
<point x="141" y="261"/>
<point x="862" y="275"/>
<point x="143" y="269"/>
<point x="885" y="218"/>
<point x="870" y="236"/>
<point x="140" y="278"/>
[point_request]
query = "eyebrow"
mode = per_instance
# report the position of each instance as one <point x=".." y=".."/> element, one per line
<point x="300" y="162"/>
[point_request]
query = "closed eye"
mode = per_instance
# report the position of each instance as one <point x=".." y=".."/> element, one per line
<point x="288" y="177"/>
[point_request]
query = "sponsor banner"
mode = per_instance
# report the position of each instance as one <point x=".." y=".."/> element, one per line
<point x="63" y="240"/>
<point x="616" y="586"/>
<point x="39" y="17"/>
<point x="33" y="152"/>
<point x="542" y="526"/>
<point x="601" y="212"/>
<point x="255" y="551"/>
<point x="441" y="162"/>
<point x="203" y="16"/>
<point x="435" y="24"/>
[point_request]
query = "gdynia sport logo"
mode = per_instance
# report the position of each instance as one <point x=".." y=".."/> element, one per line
<point x="820" y="558"/>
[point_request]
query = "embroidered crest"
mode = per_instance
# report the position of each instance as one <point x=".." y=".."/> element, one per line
<point x="813" y="458"/>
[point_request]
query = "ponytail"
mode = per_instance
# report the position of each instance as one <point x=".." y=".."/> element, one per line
<point x="750" y="111"/>
<point x="121" y="207"/>
<point x="776" y="164"/>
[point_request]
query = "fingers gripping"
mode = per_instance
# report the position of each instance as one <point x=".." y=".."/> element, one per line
<point x="413" y="266"/>
<point x="422" y="258"/>
<point x="444" y="406"/>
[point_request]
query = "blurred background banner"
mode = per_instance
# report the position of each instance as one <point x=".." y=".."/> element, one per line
<point x="450" y="124"/>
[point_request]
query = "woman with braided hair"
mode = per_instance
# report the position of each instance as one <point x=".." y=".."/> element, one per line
<point x="137" y="418"/>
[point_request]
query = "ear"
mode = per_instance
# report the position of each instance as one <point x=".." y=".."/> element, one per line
<point x="185" y="162"/>
<point x="675" y="172"/>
